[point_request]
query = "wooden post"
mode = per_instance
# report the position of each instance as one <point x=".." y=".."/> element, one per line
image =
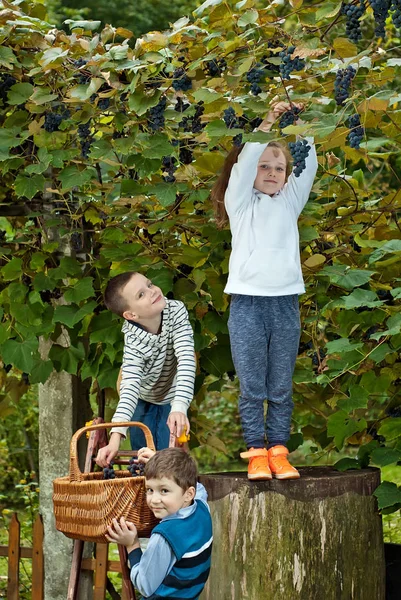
<point x="37" y="560"/>
<point x="317" y="537"/>
<point x="101" y="572"/>
<point x="127" y="592"/>
<point x="13" y="559"/>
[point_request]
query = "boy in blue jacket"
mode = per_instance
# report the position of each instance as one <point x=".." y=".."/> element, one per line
<point x="176" y="562"/>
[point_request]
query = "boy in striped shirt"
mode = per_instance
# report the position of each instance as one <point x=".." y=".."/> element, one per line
<point x="158" y="369"/>
<point x="176" y="562"/>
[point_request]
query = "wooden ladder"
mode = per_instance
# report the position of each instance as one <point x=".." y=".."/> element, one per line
<point x="98" y="439"/>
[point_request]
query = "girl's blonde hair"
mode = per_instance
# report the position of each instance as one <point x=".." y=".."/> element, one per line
<point x="219" y="188"/>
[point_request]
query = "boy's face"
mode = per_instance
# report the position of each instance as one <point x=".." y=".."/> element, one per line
<point x="271" y="173"/>
<point x="145" y="300"/>
<point x="165" y="497"/>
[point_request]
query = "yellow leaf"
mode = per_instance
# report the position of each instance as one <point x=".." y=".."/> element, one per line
<point x="373" y="104"/>
<point x="344" y="47"/>
<point x="307" y="52"/>
<point x="315" y="261"/>
<point x="296" y="3"/>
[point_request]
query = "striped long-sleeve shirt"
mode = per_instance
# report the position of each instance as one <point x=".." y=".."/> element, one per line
<point x="157" y="368"/>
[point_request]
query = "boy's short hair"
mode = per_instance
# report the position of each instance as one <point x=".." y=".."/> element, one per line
<point x="113" y="297"/>
<point x="174" y="463"/>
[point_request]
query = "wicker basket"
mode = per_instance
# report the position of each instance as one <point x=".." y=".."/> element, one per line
<point x="85" y="503"/>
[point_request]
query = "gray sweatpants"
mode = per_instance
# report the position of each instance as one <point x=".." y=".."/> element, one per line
<point x="264" y="337"/>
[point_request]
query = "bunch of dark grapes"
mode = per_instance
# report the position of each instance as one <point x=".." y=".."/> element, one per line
<point x="136" y="468"/>
<point x="54" y="120"/>
<point x="353" y="13"/>
<point x="25" y="378"/>
<point x="289" y="117"/>
<point x="103" y="103"/>
<point x="396" y="14"/>
<point x="380" y="13"/>
<point x="181" y="81"/>
<point x="76" y="241"/>
<point x="186" y="156"/>
<point x="288" y="64"/>
<point x="265" y="59"/>
<point x="168" y="163"/>
<point x="214" y="67"/>
<point x="394" y="412"/>
<point x="254" y="76"/>
<point x="194" y="123"/>
<point x="6" y="81"/>
<point x="108" y="472"/>
<point x="85" y="139"/>
<point x="316" y="360"/>
<point x="342" y="84"/>
<point x="156" y="115"/>
<point x="230" y="118"/>
<point x="181" y="106"/>
<point x="357" y="132"/>
<point x="299" y="152"/>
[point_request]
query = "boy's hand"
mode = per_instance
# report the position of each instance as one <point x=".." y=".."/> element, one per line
<point x="178" y="422"/>
<point x="124" y="533"/>
<point x="106" y="454"/>
<point x="144" y="454"/>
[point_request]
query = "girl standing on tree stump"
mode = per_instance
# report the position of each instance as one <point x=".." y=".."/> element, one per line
<point x="262" y="198"/>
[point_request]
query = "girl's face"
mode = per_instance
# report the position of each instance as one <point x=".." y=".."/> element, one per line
<point x="271" y="173"/>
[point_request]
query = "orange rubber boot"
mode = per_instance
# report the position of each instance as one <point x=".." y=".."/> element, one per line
<point x="258" y="467"/>
<point x="279" y="465"/>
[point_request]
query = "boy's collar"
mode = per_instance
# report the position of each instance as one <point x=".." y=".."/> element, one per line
<point x="136" y="324"/>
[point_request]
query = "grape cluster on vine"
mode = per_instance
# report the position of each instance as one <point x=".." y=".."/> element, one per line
<point x="230" y="118"/>
<point x="214" y="67"/>
<point x="136" y="468"/>
<point x="6" y="82"/>
<point x="169" y="167"/>
<point x="395" y="7"/>
<point x="186" y="155"/>
<point x="342" y="84"/>
<point x="194" y="124"/>
<point x="255" y="76"/>
<point x="53" y="120"/>
<point x="353" y="13"/>
<point x="289" y="117"/>
<point x="85" y="139"/>
<point x="357" y="132"/>
<point x="76" y="241"/>
<point x="181" y="105"/>
<point x="181" y="81"/>
<point x="380" y="13"/>
<point x="108" y="472"/>
<point x="156" y="115"/>
<point x="288" y="64"/>
<point x="266" y="57"/>
<point x="299" y="152"/>
<point x="103" y="103"/>
<point x="83" y="78"/>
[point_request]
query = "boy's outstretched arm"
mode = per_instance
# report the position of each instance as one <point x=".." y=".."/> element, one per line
<point x="183" y="342"/>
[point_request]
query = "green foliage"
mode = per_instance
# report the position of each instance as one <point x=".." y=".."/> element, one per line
<point x="140" y="16"/>
<point x="85" y="195"/>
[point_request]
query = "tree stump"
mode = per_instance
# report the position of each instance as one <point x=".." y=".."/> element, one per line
<point x="315" y="538"/>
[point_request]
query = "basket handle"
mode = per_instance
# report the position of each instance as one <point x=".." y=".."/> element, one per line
<point x="75" y="472"/>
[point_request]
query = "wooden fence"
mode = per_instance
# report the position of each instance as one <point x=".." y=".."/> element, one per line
<point x="100" y="565"/>
<point x="15" y="552"/>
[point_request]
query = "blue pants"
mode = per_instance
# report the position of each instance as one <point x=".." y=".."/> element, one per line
<point x="264" y="337"/>
<point x="155" y="417"/>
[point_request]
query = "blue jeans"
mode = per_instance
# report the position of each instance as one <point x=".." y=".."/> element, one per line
<point x="264" y="337"/>
<point x="155" y="417"/>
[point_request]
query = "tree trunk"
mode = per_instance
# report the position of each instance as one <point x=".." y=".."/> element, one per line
<point x="63" y="408"/>
<point x="315" y="538"/>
